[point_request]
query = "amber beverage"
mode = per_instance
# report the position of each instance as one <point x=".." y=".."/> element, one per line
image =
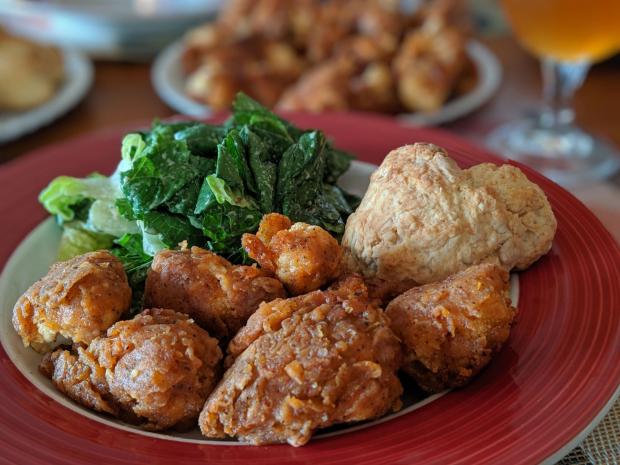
<point x="568" y="36"/>
<point x="566" y="30"/>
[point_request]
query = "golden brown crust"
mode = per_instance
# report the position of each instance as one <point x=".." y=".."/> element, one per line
<point x="261" y="67"/>
<point x="271" y="224"/>
<point x="423" y="219"/>
<point x="321" y="88"/>
<point x="218" y="295"/>
<point x="304" y="257"/>
<point x="155" y="370"/>
<point x="270" y="315"/>
<point x="428" y="66"/>
<point x="451" y="329"/>
<point x="73" y="378"/>
<point x="77" y="299"/>
<point x="305" y="363"/>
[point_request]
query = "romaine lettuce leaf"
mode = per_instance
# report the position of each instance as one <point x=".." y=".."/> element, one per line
<point x="65" y="193"/>
<point x="172" y="229"/>
<point x="104" y="217"/>
<point x="77" y="240"/>
<point x="222" y="193"/>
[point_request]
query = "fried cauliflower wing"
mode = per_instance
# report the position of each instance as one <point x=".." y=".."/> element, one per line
<point x="451" y="329"/>
<point x="337" y="21"/>
<point x="277" y="19"/>
<point x="154" y="371"/>
<point x="304" y="257"/>
<point x="324" y="87"/>
<point x="305" y="363"/>
<point x="254" y="47"/>
<point x="260" y="67"/>
<point x="78" y="299"/>
<point x="429" y="63"/>
<point x="340" y="83"/>
<point x="219" y="296"/>
<point x="423" y="219"/>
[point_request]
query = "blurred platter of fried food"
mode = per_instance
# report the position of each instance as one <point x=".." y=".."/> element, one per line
<point x="38" y="83"/>
<point x="334" y="55"/>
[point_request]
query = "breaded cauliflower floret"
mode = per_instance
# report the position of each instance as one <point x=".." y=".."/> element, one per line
<point x="424" y="219"/>
<point x="78" y="299"/>
<point x="305" y="363"/>
<point x="304" y="257"/>
<point x="155" y="370"/>
<point x="451" y="329"/>
<point x="218" y="295"/>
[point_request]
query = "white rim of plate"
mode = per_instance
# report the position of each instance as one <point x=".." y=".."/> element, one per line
<point x="167" y="78"/>
<point x="78" y="79"/>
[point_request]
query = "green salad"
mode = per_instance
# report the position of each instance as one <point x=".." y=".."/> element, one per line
<point x="204" y="184"/>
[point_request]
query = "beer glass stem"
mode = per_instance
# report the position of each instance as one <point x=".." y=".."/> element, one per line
<point x="560" y="81"/>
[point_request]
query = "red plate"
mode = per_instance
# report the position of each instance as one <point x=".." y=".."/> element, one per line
<point x="541" y="394"/>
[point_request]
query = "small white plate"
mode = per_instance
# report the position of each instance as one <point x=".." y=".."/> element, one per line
<point x="169" y="82"/>
<point x="77" y="82"/>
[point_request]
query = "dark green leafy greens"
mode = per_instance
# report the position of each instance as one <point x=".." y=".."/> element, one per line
<point x="136" y="262"/>
<point x="203" y="184"/>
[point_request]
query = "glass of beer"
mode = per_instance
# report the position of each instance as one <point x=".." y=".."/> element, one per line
<point x="568" y="36"/>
